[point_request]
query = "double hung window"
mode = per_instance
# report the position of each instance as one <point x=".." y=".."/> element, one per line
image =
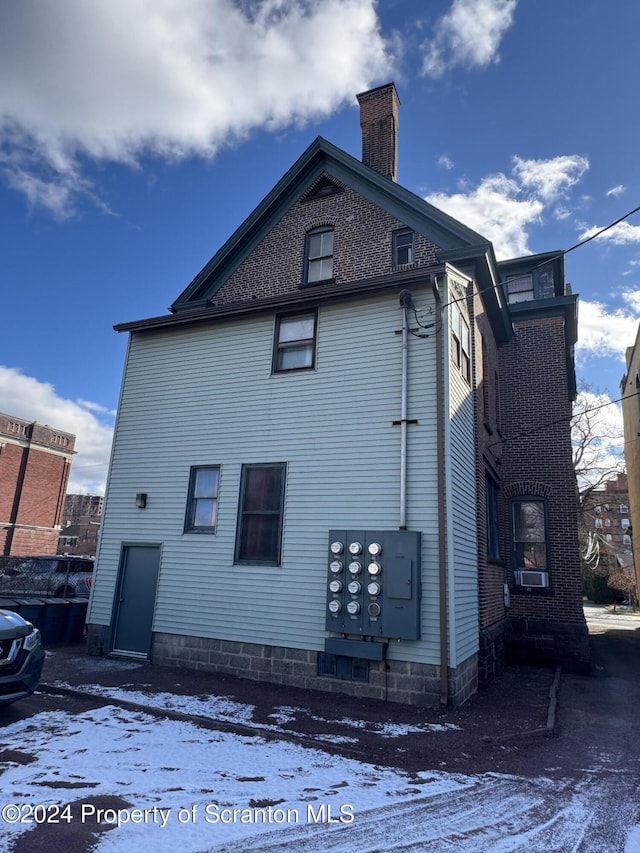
<point x="202" y="505"/>
<point x="461" y="341"/>
<point x="259" y="532"/>
<point x="402" y="247"/>
<point x="319" y="255"/>
<point x="295" y="341"/>
<point x="529" y="539"/>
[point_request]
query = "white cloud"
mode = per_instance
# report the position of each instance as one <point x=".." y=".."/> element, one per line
<point x="173" y="77"/>
<point x="468" y="35"/>
<point x="494" y="211"/>
<point x="632" y="298"/>
<point x="445" y="162"/>
<point x="503" y="207"/>
<point x="602" y="332"/>
<point x="550" y="179"/>
<point x="615" y="191"/>
<point x="622" y="234"/>
<point x="27" y="398"/>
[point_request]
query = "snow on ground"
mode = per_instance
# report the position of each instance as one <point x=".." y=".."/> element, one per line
<point x="228" y="710"/>
<point x="194" y="778"/>
<point x="182" y="787"/>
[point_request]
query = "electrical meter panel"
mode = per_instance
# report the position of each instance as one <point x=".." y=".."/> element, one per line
<point x="373" y="583"/>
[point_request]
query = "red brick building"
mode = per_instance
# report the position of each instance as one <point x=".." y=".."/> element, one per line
<point x="35" y="461"/>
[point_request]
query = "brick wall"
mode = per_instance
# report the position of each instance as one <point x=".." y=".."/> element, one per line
<point x="34" y="471"/>
<point x="537" y="462"/>
<point x="362" y="248"/>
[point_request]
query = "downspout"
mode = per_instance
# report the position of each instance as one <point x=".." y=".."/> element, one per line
<point x="405" y="301"/>
<point x="442" y="561"/>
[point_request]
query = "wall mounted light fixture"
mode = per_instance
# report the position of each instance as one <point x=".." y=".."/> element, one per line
<point x="141" y="500"/>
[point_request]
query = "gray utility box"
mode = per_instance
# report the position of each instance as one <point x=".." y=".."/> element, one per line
<point x="373" y="583"/>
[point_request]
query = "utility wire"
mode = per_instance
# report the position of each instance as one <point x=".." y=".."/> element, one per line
<point x="553" y="257"/>
<point x="561" y="420"/>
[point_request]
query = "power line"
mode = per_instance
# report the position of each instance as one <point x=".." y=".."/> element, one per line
<point x="554" y="257"/>
<point x="561" y="420"/>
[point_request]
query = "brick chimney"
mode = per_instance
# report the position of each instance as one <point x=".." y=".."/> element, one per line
<point x="379" y="123"/>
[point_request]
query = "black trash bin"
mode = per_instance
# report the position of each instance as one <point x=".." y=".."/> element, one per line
<point x="76" y="617"/>
<point x="55" y="619"/>
<point x="9" y="604"/>
<point x="33" y="610"/>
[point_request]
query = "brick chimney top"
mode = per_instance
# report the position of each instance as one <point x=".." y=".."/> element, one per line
<point x="379" y="123"/>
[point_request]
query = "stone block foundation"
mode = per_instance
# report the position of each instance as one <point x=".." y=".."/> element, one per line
<point x="389" y="680"/>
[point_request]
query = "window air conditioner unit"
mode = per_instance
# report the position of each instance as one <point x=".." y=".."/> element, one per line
<point x="528" y="578"/>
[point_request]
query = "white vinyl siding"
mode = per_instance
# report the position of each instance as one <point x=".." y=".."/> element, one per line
<point x="461" y="505"/>
<point x="205" y="395"/>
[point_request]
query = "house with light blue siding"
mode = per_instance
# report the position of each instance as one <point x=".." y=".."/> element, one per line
<point x="298" y="490"/>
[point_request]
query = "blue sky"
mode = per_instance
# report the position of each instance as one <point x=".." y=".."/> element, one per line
<point x="135" y="136"/>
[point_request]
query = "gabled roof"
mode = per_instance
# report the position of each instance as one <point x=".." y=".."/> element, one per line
<point x="323" y="161"/>
<point x="320" y="165"/>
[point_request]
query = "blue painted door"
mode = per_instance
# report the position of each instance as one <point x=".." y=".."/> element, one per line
<point x="136" y="600"/>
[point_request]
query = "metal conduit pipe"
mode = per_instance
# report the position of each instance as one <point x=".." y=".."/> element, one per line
<point x="405" y="301"/>
<point x="442" y="559"/>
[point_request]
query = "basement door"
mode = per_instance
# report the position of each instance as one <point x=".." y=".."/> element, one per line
<point x="138" y="583"/>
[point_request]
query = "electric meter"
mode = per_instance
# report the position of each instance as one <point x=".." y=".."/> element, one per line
<point x="374" y="568"/>
<point x="335" y="606"/>
<point x="373" y="609"/>
<point x="355" y="587"/>
<point x="353" y="608"/>
<point x="336" y="567"/>
<point x="336" y="548"/>
<point x="355" y="567"/>
<point x="374" y="588"/>
<point x="375" y="549"/>
<point x="355" y="548"/>
<point x="335" y="585"/>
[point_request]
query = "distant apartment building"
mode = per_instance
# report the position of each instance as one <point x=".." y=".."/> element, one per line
<point x="606" y="517"/>
<point x="80" y="524"/>
<point x="35" y="461"/>
<point x="630" y="393"/>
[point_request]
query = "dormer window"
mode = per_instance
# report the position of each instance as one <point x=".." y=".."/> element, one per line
<point x="526" y="287"/>
<point x="402" y="247"/>
<point x="319" y="255"/>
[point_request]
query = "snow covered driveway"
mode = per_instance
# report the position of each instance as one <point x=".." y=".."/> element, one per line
<point x="126" y="780"/>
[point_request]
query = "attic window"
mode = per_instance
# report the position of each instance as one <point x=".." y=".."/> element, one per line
<point x="526" y="287"/>
<point x="402" y="247"/>
<point x="319" y="255"/>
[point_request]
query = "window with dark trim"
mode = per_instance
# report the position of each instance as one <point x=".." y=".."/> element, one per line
<point x="493" y="529"/>
<point x="259" y="533"/>
<point x="319" y="255"/>
<point x="529" y="532"/>
<point x="202" y="505"/>
<point x="402" y="247"/>
<point x="526" y="287"/>
<point x="295" y="341"/>
<point x="461" y="342"/>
